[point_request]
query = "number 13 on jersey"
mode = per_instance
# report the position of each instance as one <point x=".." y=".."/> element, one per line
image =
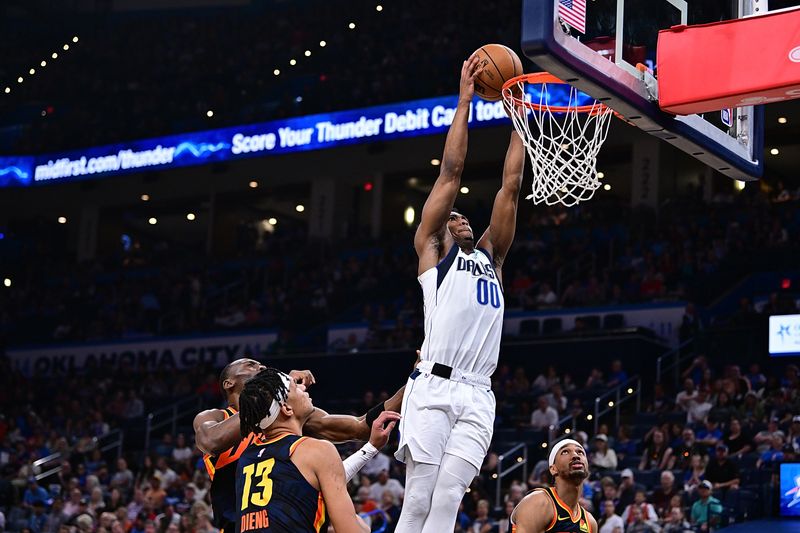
<point x="258" y="498"/>
<point x="488" y="293"/>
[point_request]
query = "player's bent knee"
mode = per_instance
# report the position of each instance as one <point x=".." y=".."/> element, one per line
<point x="418" y="502"/>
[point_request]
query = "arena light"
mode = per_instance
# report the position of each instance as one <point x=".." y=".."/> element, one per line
<point x="544" y="445"/>
<point x="292" y="62"/>
<point x="379" y="8"/>
<point x="307" y="53"/>
<point x="54" y="55"/>
<point x="145" y="197"/>
<point x="600" y="175"/>
<point x="568" y="431"/>
<point x="277" y="72"/>
<point x="190" y="216"/>
<point x="782" y="120"/>
<point x="8" y="90"/>
<point x="494" y="476"/>
<point x="774" y="151"/>
<point x="589" y="417"/>
<point x="607" y="187"/>
<point x="299" y="208"/>
<point x="7" y="282"/>
<point x="62" y="220"/>
<point x="322" y="44"/>
<point x="43" y="63"/>
<point x="209" y="113"/>
<point x="409" y="215"/>
<point x="65" y="47"/>
<point x="630" y="390"/>
<point x="152" y="221"/>
<point x="435" y="162"/>
<point x="464" y="190"/>
<point x="32" y="71"/>
<point x="611" y="404"/>
<point x="20" y="79"/>
<point x="519" y="459"/>
<point x="739" y="185"/>
<point x="75" y="39"/>
<point x="273" y="221"/>
<point x="44" y="113"/>
<point x="352" y="25"/>
<point x="253" y="184"/>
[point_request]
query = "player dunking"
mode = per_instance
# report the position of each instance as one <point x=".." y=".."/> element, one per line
<point x="556" y="508"/>
<point x="448" y="405"/>
<point x="217" y="434"/>
<point x="285" y="483"/>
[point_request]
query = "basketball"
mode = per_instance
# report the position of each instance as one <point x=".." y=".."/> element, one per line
<point x="499" y="63"/>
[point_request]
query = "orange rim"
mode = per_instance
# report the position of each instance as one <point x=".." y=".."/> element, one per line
<point x="545" y="78"/>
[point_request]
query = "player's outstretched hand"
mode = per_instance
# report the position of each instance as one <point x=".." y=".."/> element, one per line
<point x="303" y="377"/>
<point x="379" y="435"/>
<point x="469" y="71"/>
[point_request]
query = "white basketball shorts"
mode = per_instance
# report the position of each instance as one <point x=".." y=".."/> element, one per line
<point x="454" y="416"/>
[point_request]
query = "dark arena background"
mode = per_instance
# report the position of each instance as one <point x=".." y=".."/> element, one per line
<point x="187" y="182"/>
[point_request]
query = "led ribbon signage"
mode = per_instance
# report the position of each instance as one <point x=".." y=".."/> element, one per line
<point x="313" y="132"/>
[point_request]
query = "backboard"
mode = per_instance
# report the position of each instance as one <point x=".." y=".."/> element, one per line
<point x="598" y="53"/>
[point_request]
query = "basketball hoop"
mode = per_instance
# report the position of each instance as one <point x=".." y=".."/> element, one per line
<point x="566" y="137"/>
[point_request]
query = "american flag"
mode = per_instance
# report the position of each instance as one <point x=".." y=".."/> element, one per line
<point x="573" y="12"/>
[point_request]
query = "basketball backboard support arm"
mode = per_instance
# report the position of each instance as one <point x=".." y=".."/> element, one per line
<point x="544" y="41"/>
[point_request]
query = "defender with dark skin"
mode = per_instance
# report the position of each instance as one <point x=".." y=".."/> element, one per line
<point x="538" y="512"/>
<point x="218" y="433"/>
<point x="215" y="432"/>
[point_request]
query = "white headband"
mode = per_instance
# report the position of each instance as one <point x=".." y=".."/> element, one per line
<point x="557" y="448"/>
<point x="275" y="408"/>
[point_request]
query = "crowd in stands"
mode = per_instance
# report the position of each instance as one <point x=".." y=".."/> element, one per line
<point x="695" y="460"/>
<point x="294" y="285"/>
<point x="159" y="72"/>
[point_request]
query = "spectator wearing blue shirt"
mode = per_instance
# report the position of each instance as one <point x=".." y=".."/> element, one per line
<point x="709" y="435"/>
<point x="617" y="376"/>
<point x="34" y="493"/>
<point x="756" y="378"/>
<point x="38" y="519"/>
<point x="774" y="454"/>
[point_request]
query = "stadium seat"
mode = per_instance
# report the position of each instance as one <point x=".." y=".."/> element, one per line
<point x="529" y="327"/>
<point x="551" y="325"/>
<point x="614" y="321"/>
<point x="591" y="322"/>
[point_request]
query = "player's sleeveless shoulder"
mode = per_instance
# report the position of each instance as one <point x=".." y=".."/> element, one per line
<point x="464" y="305"/>
<point x="563" y="520"/>
<point x="272" y="494"/>
<point x="222" y="471"/>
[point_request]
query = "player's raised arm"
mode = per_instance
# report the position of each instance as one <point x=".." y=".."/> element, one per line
<point x="436" y="211"/>
<point x="498" y="237"/>
<point x="213" y="433"/>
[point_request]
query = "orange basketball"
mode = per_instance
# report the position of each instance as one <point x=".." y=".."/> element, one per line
<point x="499" y="64"/>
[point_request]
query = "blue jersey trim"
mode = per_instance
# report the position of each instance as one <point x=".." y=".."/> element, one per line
<point x="444" y="266"/>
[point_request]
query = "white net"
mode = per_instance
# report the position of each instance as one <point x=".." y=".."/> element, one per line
<point x="562" y="142"/>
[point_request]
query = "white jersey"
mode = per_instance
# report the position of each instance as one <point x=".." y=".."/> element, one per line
<point x="463" y="312"/>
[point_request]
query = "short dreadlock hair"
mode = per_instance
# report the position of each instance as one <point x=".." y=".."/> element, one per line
<point x="256" y="399"/>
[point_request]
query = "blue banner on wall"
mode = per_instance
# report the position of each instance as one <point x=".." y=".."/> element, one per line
<point x="314" y="132"/>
